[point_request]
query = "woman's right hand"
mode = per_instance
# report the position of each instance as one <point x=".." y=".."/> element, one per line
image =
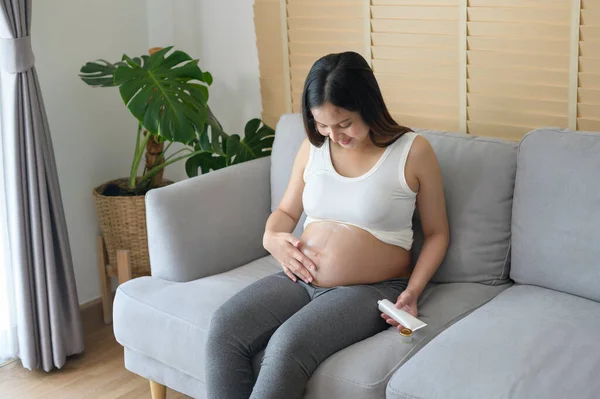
<point x="285" y="248"/>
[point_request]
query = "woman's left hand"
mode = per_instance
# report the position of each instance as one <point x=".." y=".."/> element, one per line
<point x="406" y="301"/>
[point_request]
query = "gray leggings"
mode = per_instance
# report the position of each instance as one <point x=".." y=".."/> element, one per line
<point x="299" y="324"/>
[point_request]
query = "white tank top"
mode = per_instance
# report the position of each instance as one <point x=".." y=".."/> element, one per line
<point x="380" y="201"/>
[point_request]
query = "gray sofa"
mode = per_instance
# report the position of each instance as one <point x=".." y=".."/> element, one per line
<point x="524" y="330"/>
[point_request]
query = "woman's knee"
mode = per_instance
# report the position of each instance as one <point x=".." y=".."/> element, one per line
<point x="286" y="344"/>
<point x="222" y="321"/>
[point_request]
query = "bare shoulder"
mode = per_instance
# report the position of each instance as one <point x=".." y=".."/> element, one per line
<point x="303" y="154"/>
<point x="421" y="156"/>
<point x="302" y="157"/>
<point x="421" y="149"/>
<point x="422" y="164"/>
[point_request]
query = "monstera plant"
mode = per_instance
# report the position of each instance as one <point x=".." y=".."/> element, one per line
<point x="167" y="93"/>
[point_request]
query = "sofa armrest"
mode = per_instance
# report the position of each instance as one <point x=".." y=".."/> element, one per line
<point x="209" y="224"/>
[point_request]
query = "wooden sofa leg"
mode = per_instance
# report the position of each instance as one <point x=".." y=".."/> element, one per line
<point x="158" y="391"/>
<point x="123" y="266"/>
<point x="104" y="281"/>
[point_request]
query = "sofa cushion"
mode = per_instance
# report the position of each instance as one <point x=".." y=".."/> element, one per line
<point x="289" y="136"/>
<point x="528" y="342"/>
<point x="363" y="370"/>
<point x="556" y="214"/>
<point x="167" y="322"/>
<point x="478" y="175"/>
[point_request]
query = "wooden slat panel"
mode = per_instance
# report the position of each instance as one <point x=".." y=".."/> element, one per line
<point x="589" y="80"/>
<point x="394" y="94"/>
<point x="426" y="122"/>
<point x="417" y="69"/>
<point x="408" y="26"/>
<point x="318" y="35"/>
<point x="409" y="107"/>
<point x="505" y="59"/>
<point x="270" y="55"/>
<point x="590" y="17"/>
<point x="297" y="85"/>
<point x="272" y="89"/>
<point x="403" y="53"/>
<point x="562" y="4"/>
<point x="497" y="130"/>
<point x="352" y="24"/>
<point x="323" y="48"/>
<point x="588" y="124"/>
<point x="589" y="48"/>
<point x="270" y="42"/>
<point x="415" y="48"/>
<point x="406" y="81"/>
<point x="267" y="13"/>
<point x="588" y="111"/>
<point x="304" y="59"/>
<point x="319" y="10"/>
<point x="270" y="119"/>
<point x="590" y="4"/>
<point x="269" y="70"/>
<point x="503" y="29"/>
<point x="299" y="76"/>
<point x="515" y="118"/>
<point x="415" y="13"/>
<point x="589" y="64"/>
<point x="525" y="45"/>
<point x="589" y="96"/>
<point x="275" y="108"/>
<point x="296" y="99"/>
<point x="518" y="90"/>
<point x="589" y="32"/>
<point x="517" y="74"/>
<point x="271" y="33"/>
<point x="518" y="15"/>
<point x="327" y="2"/>
<point x="415" y="2"/>
<point x="413" y="40"/>
<point x="505" y="104"/>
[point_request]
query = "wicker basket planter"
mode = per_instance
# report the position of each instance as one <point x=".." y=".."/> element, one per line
<point x="123" y="226"/>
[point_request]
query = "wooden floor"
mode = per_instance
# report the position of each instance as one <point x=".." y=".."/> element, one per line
<point x="98" y="373"/>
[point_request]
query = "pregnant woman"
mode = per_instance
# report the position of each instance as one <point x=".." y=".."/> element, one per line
<point x="358" y="177"/>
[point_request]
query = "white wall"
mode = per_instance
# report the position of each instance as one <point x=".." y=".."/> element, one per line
<point x="221" y="35"/>
<point x="92" y="131"/>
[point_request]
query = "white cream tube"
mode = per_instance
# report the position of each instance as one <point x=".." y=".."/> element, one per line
<point x="406" y="319"/>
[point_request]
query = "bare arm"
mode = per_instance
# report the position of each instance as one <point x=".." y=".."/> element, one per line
<point x="424" y="176"/>
<point x="287" y="214"/>
<point x="432" y="210"/>
<point x="278" y="239"/>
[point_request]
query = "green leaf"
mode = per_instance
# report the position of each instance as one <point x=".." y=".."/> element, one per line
<point x="232" y="147"/>
<point x="257" y="142"/>
<point x="251" y="127"/>
<point x="204" y="161"/>
<point x="99" y="73"/>
<point x="207" y="78"/>
<point x="158" y="92"/>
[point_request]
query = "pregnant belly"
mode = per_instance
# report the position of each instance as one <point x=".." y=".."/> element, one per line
<point x="347" y="255"/>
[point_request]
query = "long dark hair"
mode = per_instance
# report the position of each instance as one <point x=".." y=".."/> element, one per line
<point x="345" y="80"/>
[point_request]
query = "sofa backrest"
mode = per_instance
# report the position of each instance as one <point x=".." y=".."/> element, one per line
<point x="556" y="212"/>
<point x="289" y="135"/>
<point x="478" y="175"/>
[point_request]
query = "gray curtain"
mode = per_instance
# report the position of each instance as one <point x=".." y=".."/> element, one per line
<point x="48" y="319"/>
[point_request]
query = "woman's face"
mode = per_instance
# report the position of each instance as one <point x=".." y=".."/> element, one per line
<point x="343" y="127"/>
